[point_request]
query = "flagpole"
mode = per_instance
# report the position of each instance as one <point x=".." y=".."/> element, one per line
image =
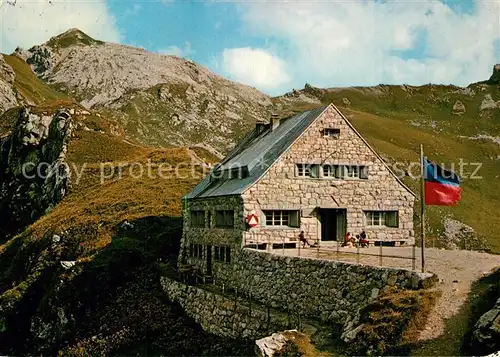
<point x="422" y="204"/>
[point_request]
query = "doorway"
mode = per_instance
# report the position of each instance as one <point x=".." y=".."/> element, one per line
<point x="333" y="224"/>
<point x="209" y="260"/>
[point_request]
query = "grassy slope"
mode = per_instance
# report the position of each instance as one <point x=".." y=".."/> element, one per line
<point x="148" y="118"/>
<point x="88" y="220"/>
<point x="30" y="87"/>
<point x="384" y="117"/>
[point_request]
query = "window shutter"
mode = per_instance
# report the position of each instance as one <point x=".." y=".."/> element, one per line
<point x="314" y="171"/>
<point x="337" y="171"/>
<point x="363" y="172"/>
<point x="294" y="219"/>
<point x="391" y="219"/>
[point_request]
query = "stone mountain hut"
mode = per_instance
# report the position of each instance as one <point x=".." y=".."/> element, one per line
<point x="312" y="172"/>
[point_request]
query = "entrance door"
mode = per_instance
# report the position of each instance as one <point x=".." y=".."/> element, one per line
<point x="209" y="260"/>
<point x="333" y="224"/>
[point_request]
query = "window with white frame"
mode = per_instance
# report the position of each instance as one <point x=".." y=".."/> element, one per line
<point x="303" y="170"/>
<point x="355" y="171"/>
<point x="328" y="171"/>
<point x="288" y="218"/>
<point x="333" y="171"/>
<point x="308" y="170"/>
<point x="352" y="171"/>
<point x="382" y="218"/>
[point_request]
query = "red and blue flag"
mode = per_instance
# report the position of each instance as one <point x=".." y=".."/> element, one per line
<point x="442" y="187"/>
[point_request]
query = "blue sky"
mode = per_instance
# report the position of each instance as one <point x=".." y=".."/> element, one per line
<point x="208" y="28"/>
<point x="276" y="46"/>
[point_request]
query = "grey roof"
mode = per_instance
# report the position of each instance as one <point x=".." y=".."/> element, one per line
<point x="254" y="154"/>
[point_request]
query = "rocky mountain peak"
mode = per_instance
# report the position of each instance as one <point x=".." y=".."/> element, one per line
<point x="71" y="37"/>
<point x="495" y="77"/>
<point x="155" y="96"/>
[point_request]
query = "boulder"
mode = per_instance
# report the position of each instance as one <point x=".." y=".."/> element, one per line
<point x="68" y="264"/>
<point x="488" y="103"/>
<point x="458" y="108"/>
<point x="278" y="344"/>
<point x="486" y="333"/>
<point x="458" y="235"/>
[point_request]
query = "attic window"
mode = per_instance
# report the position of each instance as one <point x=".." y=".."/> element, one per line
<point x="303" y="170"/>
<point x="307" y="170"/>
<point x="331" y="133"/>
<point x="332" y="171"/>
<point x="357" y="172"/>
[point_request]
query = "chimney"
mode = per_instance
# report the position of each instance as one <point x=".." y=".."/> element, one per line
<point x="275" y="121"/>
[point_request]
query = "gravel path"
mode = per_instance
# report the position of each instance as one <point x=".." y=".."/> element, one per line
<point x="456" y="269"/>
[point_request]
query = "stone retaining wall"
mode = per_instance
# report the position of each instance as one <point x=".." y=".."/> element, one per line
<point x="220" y="315"/>
<point x="329" y="290"/>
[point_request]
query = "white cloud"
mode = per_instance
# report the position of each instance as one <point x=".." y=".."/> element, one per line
<point x="346" y="43"/>
<point x="185" y="51"/>
<point x="30" y="22"/>
<point x="254" y="67"/>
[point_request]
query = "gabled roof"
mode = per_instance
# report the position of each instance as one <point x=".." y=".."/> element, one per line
<point x="254" y="155"/>
<point x="373" y="150"/>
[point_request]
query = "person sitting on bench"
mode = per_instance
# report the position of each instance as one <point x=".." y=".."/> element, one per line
<point x="364" y="243"/>
<point x="347" y="240"/>
<point x="303" y="239"/>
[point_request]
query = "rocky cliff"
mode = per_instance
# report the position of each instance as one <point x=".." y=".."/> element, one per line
<point x="7" y="95"/>
<point x="33" y="169"/>
<point x="495" y="77"/>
